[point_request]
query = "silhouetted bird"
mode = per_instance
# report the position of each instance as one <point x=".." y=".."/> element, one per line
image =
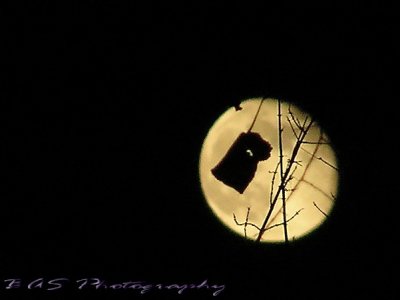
<point x="238" y="166"/>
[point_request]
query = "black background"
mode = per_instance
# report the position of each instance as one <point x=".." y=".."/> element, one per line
<point x="104" y="108"/>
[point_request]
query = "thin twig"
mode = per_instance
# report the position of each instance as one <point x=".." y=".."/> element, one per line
<point x="245" y="223"/>
<point x="298" y="162"/>
<point x="294" y="118"/>
<point x="317" y="188"/>
<point x="273" y="182"/>
<point x="255" y="117"/>
<point x="291" y="177"/>
<point x="325" y="214"/>
<point x="285" y="231"/>
<point x="287" y="221"/>
<point x="304" y="124"/>
<point x="316" y="143"/>
<point x="291" y="126"/>
<point x="321" y="159"/>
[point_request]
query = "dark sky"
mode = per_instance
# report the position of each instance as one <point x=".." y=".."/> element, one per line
<point x="104" y="108"/>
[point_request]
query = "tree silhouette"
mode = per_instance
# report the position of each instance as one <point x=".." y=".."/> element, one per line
<point x="285" y="179"/>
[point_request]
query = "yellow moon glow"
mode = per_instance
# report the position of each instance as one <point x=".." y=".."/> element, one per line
<point x="310" y="193"/>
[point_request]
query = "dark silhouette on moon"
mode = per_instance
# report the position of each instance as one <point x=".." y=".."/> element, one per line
<point x="237" y="168"/>
<point x="237" y="106"/>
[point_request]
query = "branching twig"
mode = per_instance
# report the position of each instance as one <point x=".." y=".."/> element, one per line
<point x="273" y="182"/>
<point x="287" y="221"/>
<point x="304" y="126"/>
<point x="298" y="162"/>
<point x="246" y="223"/>
<point x="291" y="126"/>
<point x="283" y="189"/>
<point x="294" y="119"/>
<point x="325" y="214"/>
<point x="292" y="174"/>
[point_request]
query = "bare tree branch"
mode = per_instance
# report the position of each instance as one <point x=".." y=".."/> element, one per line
<point x="306" y="127"/>
<point x="291" y="177"/>
<point x="273" y="182"/>
<point x="246" y="223"/>
<point x="300" y="129"/>
<point x="283" y="190"/>
<point x="298" y="162"/>
<point x="304" y="124"/>
<point x="292" y="127"/>
<point x="295" y="119"/>
<point x="301" y="179"/>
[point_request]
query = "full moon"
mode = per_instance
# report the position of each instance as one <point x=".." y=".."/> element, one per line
<point x="292" y="192"/>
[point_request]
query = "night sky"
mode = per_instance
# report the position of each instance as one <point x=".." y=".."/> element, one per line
<point x="104" y="108"/>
